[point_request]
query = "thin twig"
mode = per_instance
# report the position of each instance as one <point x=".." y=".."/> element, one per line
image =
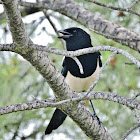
<point x="48" y="17"/>
<point x="35" y="98"/>
<point x="77" y="97"/>
<point x="51" y="23"/>
<point x="114" y="8"/>
<point x="101" y="70"/>
<point x="97" y="95"/>
<point x="135" y="96"/>
<point x="133" y="4"/>
<point x="136" y="115"/>
<point x="134" y="110"/>
<point x="85" y="51"/>
<point x="129" y="131"/>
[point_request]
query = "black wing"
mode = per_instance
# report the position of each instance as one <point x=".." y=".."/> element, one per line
<point x="64" y="69"/>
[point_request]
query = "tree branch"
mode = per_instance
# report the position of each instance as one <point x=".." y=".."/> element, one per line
<point x="116" y="38"/>
<point x="7" y="47"/>
<point x="77" y="97"/>
<point x="48" y="18"/>
<point x="26" y="106"/>
<point x="115" y="8"/>
<point x="101" y="70"/>
<point x="135" y="96"/>
<point x="88" y="19"/>
<point x="115" y="98"/>
<point x="105" y="96"/>
<point x="130" y="131"/>
<point x="133" y="4"/>
<point x="136" y="115"/>
<point x="13" y="15"/>
<point x="85" y="51"/>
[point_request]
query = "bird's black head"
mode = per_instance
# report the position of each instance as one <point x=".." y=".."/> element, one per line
<point x="75" y="38"/>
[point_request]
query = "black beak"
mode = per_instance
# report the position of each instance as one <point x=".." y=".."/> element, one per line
<point x="65" y="34"/>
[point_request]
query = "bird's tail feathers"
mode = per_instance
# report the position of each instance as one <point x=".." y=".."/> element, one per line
<point x="57" y="119"/>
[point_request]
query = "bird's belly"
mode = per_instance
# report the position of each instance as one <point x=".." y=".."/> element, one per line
<point x="81" y="84"/>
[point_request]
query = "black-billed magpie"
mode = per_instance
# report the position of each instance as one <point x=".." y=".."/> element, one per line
<point x="76" y="39"/>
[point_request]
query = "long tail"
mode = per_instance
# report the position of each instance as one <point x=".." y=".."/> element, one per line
<point x="56" y="120"/>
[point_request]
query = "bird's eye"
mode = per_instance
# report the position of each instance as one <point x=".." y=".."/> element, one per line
<point x="74" y="31"/>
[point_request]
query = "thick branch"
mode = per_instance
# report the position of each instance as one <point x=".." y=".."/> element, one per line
<point x="88" y="19"/>
<point x="116" y="38"/>
<point x="15" y="22"/>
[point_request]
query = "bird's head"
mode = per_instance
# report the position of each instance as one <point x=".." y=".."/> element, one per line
<point x="75" y="38"/>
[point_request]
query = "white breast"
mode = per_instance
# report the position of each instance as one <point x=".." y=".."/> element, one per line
<point x="81" y="84"/>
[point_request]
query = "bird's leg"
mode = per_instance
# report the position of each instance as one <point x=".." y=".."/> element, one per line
<point x="94" y="113"/>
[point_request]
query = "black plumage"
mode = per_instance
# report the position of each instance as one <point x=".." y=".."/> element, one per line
<point x="85" y="59"/>
<point x="76" y="39"/>
<point x="57" y="119"/>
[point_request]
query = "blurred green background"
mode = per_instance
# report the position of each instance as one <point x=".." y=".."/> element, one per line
<point x="19" y="80"/>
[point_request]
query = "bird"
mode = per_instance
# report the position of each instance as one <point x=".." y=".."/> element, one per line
<point x="75" y="39"/>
